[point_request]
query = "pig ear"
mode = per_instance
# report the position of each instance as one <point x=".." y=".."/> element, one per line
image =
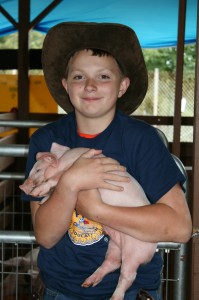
<point x="41" y="154"/>
<point x="58" y="149"/>
<point x="48" y="157"/>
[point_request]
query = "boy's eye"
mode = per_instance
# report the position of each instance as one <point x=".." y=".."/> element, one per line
<point x="78" y="77"/>
<point x="104" y="76"/>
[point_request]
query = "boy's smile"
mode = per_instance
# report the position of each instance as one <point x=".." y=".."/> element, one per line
<point x="94" y="83"/>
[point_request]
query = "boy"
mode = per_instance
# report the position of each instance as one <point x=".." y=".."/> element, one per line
<point x="96" y="72"/>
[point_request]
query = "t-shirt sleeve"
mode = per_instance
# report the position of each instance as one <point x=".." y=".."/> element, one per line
<point x="152" y="164"/>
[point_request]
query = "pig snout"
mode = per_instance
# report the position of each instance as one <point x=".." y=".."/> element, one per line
<point x="27" y="186"/>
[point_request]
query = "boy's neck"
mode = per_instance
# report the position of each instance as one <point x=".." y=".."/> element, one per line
<point x="92" y="126"/>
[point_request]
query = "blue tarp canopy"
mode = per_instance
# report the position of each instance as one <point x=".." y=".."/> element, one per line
<point x="155" y="21"/>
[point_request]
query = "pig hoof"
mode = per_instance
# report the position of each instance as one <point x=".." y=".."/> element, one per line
<point x="88" y="282"/>
<point x="85" y="285"/>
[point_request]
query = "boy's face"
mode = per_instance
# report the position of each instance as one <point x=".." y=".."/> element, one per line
<point x="94" y="84"/>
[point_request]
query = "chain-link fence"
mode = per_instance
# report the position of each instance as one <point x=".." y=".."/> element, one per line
<point x="160" y="98"/>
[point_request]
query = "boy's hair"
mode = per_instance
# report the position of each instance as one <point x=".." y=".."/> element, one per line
<point x="96" y="52"/>
<point x="99" y="52"/>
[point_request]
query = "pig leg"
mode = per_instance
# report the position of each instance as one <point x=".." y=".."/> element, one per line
<point x="45" y="188"/>
<point x="111" y="263"/>
<point x="134" y="254"/>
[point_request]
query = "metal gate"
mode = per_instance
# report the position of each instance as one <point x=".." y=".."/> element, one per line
<point x="19" y="272"/>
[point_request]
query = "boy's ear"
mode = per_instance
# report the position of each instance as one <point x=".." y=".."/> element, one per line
<point x="64" y="83"/>
<point x="123" y="86"/>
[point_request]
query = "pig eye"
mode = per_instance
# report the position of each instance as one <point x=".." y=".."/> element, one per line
<point x="38" y="170"/>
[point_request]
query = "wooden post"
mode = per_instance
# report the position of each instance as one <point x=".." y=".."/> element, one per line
<point x="23" y="67"/>
<point x="179" y="78"/>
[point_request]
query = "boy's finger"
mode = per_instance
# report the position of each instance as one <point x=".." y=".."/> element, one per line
<point x="112" y="187"/>
<point x="114" y="167"/>
<point x="91" y="153"/>
<point x="117" y="177"/>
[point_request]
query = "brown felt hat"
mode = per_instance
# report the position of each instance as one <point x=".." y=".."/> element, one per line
<point x="119" y="40"/>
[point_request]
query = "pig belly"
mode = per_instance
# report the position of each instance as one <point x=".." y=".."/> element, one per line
<point x="132" y="195"/>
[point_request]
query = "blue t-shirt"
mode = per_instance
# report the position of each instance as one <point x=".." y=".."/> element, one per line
<point x="134" y="144"/>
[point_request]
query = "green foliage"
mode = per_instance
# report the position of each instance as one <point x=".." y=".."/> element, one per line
<point x="165" y="58"/>
<point x="11" y="41"/>
<point x="36" y="39"/>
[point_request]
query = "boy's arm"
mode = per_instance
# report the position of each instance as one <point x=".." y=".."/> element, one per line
<point x="167" y="220"/>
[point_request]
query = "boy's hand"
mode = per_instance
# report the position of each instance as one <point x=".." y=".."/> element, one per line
<point x="91" y="173"/>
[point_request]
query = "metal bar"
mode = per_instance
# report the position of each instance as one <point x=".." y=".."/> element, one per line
<point x="186" y="121"/>
<point x="22" y="124"/>
<point x="9" y="17"/>
<point x="12" y="176"/>
<point x="26" y="237"/>
<point x="169" y="245"/>
<point x="44" y="13"/>
<point x="8" y="236"/>
<point x="160" y="120"/>
<point x="14" y="150"/>
<point x="180" y="273"/>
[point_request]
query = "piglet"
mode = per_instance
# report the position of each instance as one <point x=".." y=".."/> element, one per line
<point x="21" y="271"/>
<point x="123" y="251"/>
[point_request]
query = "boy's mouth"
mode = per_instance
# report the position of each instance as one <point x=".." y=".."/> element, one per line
<point x="90" y="99"/>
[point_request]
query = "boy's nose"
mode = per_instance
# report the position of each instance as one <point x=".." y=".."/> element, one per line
<point x="90" y="85"/>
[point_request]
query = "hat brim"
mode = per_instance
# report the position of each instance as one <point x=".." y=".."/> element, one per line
<point x="119" y="40"/>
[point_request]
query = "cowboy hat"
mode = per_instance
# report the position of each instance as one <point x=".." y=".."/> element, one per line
<point x="119" y="40"/>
